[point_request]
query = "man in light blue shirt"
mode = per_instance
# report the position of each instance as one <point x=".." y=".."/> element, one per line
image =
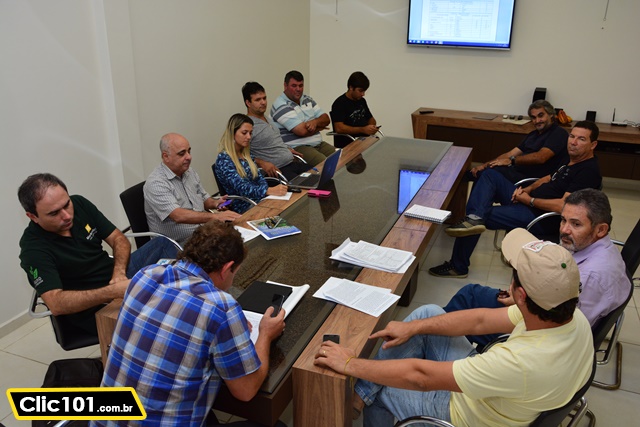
<point x="299" y="120"/>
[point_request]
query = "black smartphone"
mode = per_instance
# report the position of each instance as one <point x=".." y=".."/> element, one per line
<point x="426" y="111"/>
<point x="276" y="302"/>
<point x="331" y="337"/>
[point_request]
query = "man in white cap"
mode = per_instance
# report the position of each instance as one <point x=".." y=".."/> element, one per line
<point x="424" y="366"/>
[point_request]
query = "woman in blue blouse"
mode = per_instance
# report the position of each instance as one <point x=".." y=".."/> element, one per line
<point x="236" y="170"/>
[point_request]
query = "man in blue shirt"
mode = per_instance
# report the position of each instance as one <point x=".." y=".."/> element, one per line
<point x="180" y="335"/>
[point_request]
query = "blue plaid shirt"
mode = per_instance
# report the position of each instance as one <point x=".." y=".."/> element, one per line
<point x="177" y="337"/>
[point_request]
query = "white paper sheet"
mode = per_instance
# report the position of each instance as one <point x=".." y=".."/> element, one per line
<point x="373" y="256"/>
<point x="285" y="197"/>
<point x="246" y="233"/>
<point x="365" y="298"/>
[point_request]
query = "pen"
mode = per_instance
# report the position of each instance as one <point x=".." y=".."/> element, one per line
<point x="277" y="222"/>
<point x="315" y="169"/>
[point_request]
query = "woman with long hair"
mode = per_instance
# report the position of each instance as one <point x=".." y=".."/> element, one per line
<point x="236" y="169"/>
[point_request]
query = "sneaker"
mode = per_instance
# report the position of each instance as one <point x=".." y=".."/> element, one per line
<point x="446" y="270"/>
<point x="466" y="227"/>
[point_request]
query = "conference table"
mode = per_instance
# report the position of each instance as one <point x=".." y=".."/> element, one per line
<point x="363" y="206"/>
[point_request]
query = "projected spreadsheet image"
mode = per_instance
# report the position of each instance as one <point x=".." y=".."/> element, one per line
<point x="456" y="20"/>
<point x="461" y="23"/>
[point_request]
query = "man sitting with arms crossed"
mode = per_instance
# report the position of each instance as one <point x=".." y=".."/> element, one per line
<point x="541" y="152"/>
<point x="179" y="334"/>
<point x="174" y="201"/>
<point x="584" y="231"/>
<point x="270" y="152"/>
<point x="300" y="120"/>
<point x="350" y="112"/>
<point x="545" y="361"/>
<point x="519" y="206"/>
<point x="61" y="251"/>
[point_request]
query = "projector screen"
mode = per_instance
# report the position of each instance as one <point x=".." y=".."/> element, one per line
<point x="479" y="24"/>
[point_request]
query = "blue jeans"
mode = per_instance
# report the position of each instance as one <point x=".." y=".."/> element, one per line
<point x="385" y="403"/>
<point x="492" y="187"/>
<point x="157" y="248"/>
<point x="475" y="296"/>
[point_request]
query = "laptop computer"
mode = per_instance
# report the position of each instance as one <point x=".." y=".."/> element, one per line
<point x="313" y="180"/>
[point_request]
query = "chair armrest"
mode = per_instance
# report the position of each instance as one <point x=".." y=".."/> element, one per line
<point x="525" y="181"/>
<point x="332" y="133"/>
<point x="277" y="180"/>
<point x="501" y="338"/>
<point x="153" y="234"/>
<point x="540" y="218"/>
<point x="295" y="156"/>
<point x="35" y="302"/>
<point x="423" y="420"/>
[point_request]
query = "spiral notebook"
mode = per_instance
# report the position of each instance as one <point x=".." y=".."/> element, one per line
<point x="429" y="214"/>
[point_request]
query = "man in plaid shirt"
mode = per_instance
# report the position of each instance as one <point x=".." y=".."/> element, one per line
<point x="179" y="335"/>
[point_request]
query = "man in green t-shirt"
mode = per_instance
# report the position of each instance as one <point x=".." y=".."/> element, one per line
<point x="61" y="251"/>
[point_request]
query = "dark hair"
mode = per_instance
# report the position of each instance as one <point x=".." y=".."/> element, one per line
<point x="251" y="88"/>
<point x="33" y="189"/>
<point x="293" y="74"/>
<point x="358" y="79"/>
<point x="212" y="245"/>
<point x="541" y="103"/>
<point x="559" y="314"/>
<point x="595" y="131"/>
<point x="595" y="202"/>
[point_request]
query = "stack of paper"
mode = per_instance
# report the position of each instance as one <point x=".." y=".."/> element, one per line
<point x="373" y="256"/>
<point x="365" y="298"/>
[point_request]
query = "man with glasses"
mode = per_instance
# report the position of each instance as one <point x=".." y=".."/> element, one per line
<point x="519" y="206"/>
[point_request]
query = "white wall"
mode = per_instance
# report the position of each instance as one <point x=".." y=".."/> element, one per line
<point x="89" y="87"/>
<point x="585" y="63"/>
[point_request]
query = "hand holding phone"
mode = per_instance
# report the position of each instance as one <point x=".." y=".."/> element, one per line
<point x="331" y="337"/>
<point x="276" y="302"/>
<point x="225" y="204"/>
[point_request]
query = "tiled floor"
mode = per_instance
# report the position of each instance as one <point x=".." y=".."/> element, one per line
<point x="26" y="352"/>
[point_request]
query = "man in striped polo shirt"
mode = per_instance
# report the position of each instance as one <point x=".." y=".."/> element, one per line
<point x="300" y="120"/>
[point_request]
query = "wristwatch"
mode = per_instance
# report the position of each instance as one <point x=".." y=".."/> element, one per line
<point x="513" y="160"/>
<point x="531" y="202"/>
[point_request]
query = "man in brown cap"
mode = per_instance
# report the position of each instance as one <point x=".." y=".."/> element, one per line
<point x="424" y="365"/>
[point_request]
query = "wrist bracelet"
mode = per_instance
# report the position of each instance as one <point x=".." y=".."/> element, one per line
<point x="346" y="363"/>
<point x="531" y="202"/>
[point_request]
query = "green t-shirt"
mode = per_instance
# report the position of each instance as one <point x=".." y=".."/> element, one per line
<point x="78" y="262"/>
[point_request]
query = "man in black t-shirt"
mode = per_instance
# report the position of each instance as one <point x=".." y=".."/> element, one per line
<point x="350" y="113"/>
<point x="519" y="206"/>
<point x="541" y="152"/>
<point x="61" y="251"/>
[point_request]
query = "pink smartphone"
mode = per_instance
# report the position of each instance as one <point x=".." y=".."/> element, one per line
<point x="318" y="193"/>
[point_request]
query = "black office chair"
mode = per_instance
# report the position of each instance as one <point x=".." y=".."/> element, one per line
<point x="551" y="418"/>
<point x="631" y="256"/>
<point x="67" y="333"/>
<point x="133" y="203"/>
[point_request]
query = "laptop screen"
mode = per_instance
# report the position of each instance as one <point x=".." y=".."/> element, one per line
<point x="409" y="182"/>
